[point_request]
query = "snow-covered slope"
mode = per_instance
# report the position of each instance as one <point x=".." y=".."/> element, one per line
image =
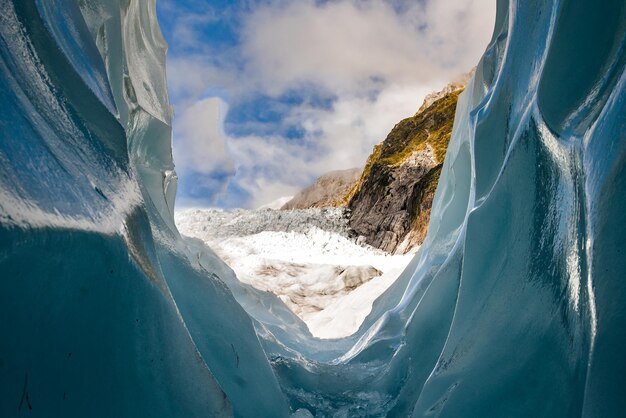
<point x="303" y="256"/>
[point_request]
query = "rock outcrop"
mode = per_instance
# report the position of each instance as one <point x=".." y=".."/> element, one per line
<point x="390" y="204"/>
<point x="389" y="200"/>
<point x="458" y="84"/>
<point x="328" y="191"/>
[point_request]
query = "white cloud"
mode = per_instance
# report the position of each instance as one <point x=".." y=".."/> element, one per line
<point x="341" y="46"/>
<point x="199" y="139"/>
<point x="344" y="45"/>
<point x="346" y="133"/>
<point x="340" y="137"/>
<point x="378" y="58"/>
<point x="270" y="167"/>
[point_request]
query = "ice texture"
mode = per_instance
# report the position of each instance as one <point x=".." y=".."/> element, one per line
<point x="515" y="305"/>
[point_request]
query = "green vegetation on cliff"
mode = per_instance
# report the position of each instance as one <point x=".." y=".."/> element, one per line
<point x="390" y="204"/>
<point x="391" y="198"/>
<point x="432" y="126"/>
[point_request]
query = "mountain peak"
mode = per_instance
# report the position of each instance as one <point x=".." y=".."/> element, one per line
<point x="328" y="190"/>
<point x="455" y="85"/>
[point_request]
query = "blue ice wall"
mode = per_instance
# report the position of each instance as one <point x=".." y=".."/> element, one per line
<point x="90" y="259"/>
<point x="515" y="305"/>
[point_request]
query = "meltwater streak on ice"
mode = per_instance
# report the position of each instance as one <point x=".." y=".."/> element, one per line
<point x="514" y="306"/>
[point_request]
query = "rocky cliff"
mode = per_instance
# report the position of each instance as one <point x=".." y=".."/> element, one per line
<point x="328" y="191"/>
<point x="389" y="200"/>
<point x="390" y="204"/>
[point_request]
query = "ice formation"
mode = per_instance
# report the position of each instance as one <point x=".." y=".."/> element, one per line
<point x="515" y="304"/>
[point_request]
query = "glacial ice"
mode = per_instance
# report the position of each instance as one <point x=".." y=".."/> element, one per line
<point x="515" y="305"/>
<point x="304" y="256"/>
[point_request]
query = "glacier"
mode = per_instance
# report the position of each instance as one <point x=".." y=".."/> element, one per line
<point x="515" y="305"/>
<point x="306" y="257"/>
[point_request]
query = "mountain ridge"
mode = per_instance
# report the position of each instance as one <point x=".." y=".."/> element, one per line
<point x="390" y="205"/>
<point x="327" y="191"/>
<point x="388" y="201"/>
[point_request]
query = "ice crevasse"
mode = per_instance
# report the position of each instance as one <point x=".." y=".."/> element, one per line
<point x="514" y="306"/>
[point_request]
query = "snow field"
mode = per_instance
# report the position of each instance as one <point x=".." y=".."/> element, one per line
<point x="304" y="256"/>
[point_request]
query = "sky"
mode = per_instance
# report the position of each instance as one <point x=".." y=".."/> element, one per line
<point x="270" y="94"/>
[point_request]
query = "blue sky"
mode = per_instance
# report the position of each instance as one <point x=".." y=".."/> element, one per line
<point x="270" y="94"/>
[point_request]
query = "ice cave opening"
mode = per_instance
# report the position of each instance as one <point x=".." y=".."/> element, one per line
<point x="513" y="306"/>
<point x="336" y="244"/>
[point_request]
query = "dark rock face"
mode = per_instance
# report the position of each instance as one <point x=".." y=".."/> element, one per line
<point x="328" y="191"/>
<point x="390" y="205"/>
<point x="381" y="211"/>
